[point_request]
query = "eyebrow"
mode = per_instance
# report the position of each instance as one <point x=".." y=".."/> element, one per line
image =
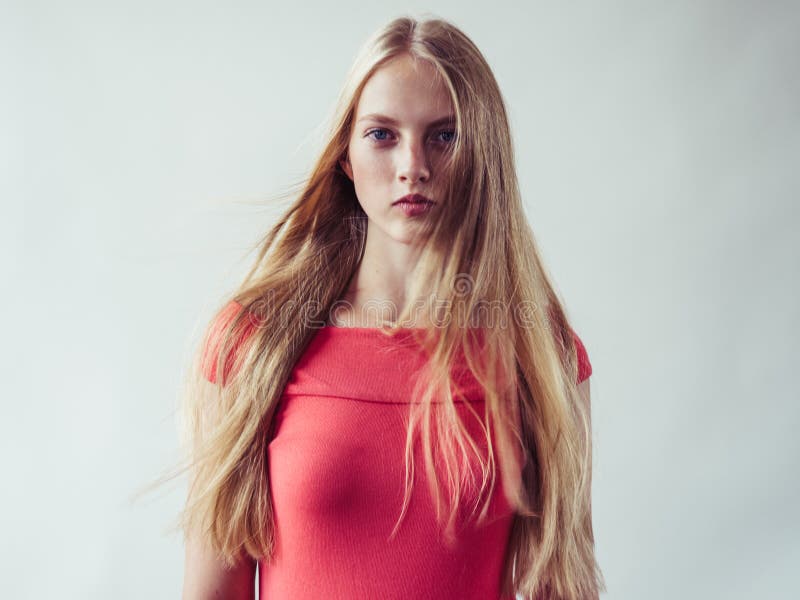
<point x="448" y="120"/>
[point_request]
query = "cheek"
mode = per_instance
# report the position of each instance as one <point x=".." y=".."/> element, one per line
<point x="370" y="167"/>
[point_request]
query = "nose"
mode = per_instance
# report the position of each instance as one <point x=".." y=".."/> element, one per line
<point x="413" y="163"/>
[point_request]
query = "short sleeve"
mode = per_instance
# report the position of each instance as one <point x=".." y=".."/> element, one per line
<point x="584" y="366"/>
<point x="215" y="338"/>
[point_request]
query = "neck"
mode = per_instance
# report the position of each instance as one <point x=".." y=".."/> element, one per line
<point x="379" y="288"/>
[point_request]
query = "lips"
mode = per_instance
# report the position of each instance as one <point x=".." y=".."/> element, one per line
<point x="414" y="199"/>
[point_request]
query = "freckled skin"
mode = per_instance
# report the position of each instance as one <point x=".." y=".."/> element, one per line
<point x="387" y="161"/>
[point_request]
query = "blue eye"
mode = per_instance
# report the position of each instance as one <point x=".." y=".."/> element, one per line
<point x="450" y="132"/>
<point x="377" y="139"/>
<point x="382" y="135"/>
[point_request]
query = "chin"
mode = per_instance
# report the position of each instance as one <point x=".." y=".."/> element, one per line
<point x="404" y="235"/>
<point x="392" y="232"/>
<point x="401" y="238"/>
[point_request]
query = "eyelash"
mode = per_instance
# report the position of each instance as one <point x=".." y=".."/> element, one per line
<point x="371" y="131"/>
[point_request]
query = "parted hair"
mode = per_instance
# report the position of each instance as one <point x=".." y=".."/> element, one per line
<point x="478" y="269"/>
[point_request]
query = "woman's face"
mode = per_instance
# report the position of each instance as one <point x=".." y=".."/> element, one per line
<point x="404" y="124"/>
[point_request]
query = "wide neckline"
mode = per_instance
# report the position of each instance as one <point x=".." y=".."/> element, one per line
<point x="329" y="327"/>
<point x="337" y="327"/>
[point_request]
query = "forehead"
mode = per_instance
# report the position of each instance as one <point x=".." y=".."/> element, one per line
<point x="406" y="90"/>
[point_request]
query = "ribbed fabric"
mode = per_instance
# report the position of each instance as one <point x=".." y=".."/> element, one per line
<point x="337" y="474"/>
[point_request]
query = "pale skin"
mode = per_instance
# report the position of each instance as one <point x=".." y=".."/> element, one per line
<point x="205" y="577"/>
<point x="404" y="124"/>
<point x="386" y="160"/>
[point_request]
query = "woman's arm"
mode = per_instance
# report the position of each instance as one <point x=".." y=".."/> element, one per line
<point x="206" y="578"/>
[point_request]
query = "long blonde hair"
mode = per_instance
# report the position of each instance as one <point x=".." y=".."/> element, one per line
<point x="477" y="252"/>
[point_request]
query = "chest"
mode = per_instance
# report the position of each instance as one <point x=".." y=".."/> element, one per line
<point x="339" y="463"/>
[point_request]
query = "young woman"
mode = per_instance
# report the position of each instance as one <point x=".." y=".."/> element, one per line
<point x="393" y="404"/>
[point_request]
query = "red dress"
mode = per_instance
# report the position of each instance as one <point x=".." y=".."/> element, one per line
<point x="336" y="469"/>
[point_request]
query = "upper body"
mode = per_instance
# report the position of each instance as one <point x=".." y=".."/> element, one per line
<point x="335" y="472"/>
<point x="414" y="200"/>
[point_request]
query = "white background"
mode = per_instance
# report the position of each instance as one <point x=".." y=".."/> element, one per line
<point x="657" y="147"/>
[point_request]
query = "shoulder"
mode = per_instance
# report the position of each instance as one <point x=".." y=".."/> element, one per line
<point x="563" y="332"/>
<point x="584" y="366"/>
<point x="220" y="330"/>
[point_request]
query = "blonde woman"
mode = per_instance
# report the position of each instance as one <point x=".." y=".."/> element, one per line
<point x="393" y="403"/>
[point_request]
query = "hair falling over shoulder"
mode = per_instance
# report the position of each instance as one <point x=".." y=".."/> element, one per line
<point x="480" y="260"/>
